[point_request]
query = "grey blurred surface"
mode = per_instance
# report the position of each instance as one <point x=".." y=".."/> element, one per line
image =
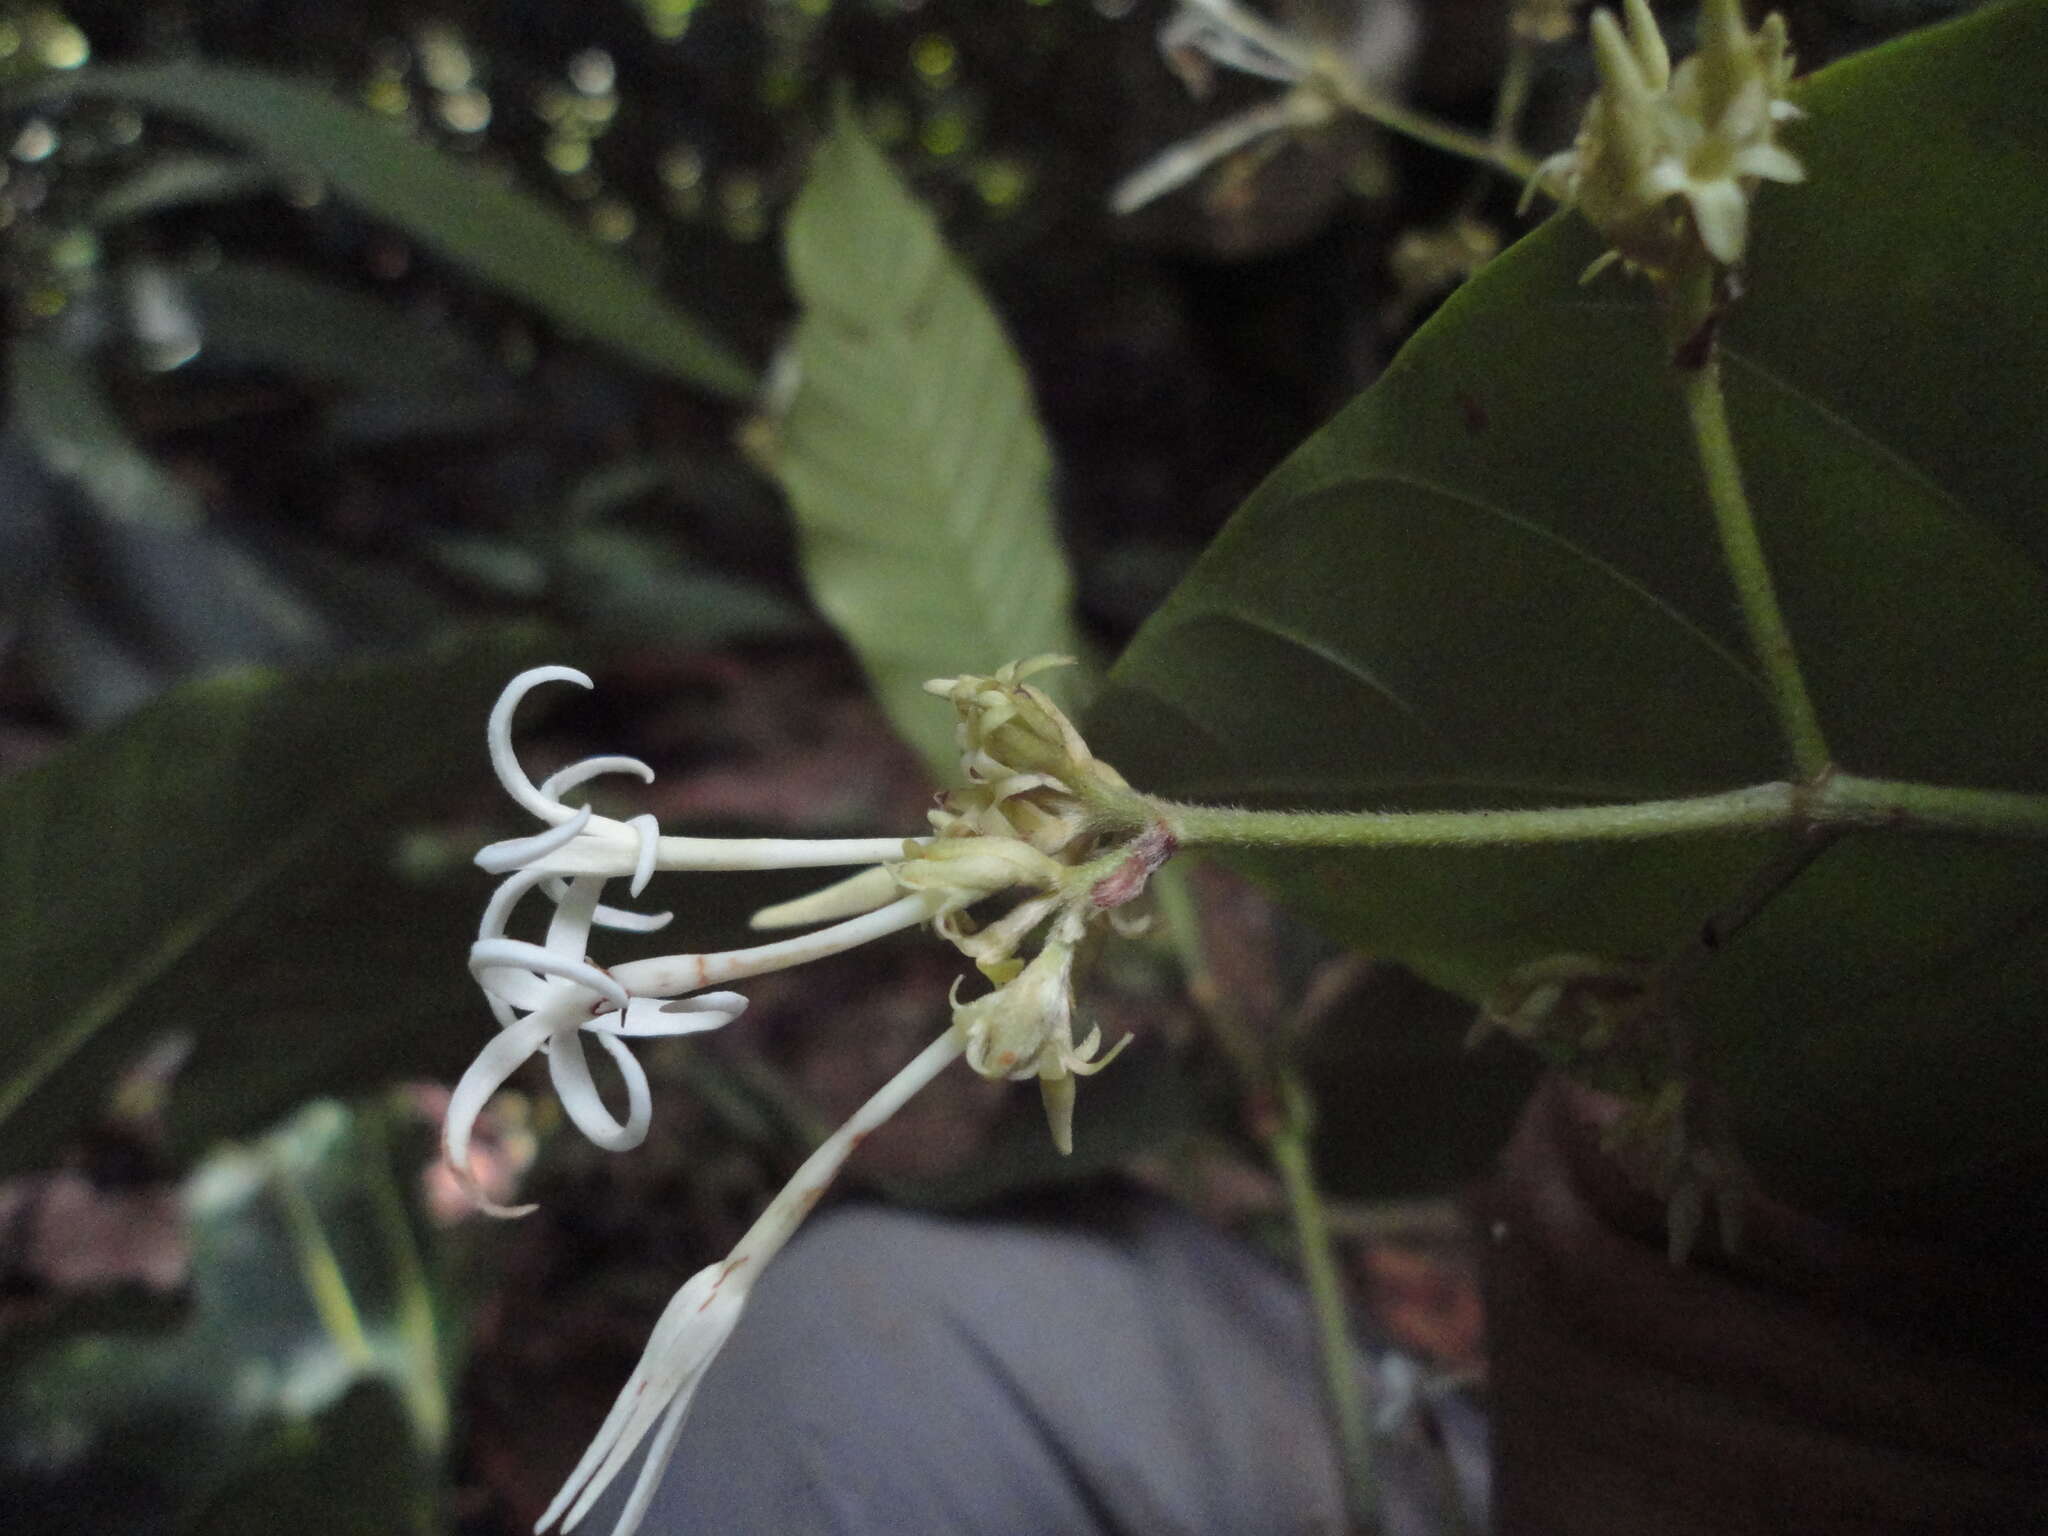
<point x="1123" y="1370"/>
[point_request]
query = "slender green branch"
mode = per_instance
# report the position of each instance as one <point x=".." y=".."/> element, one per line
<point x="1769" y="636"/>
<point x="1182" y="918"/>
<point x="1836" y="801"/>
<point x="1281" y="1120"/>
<point x="1424" y="129"/>
<point x="1761" y="806"/>
<point x="1849" y="800"/>
<point x="1288" y="1145"/>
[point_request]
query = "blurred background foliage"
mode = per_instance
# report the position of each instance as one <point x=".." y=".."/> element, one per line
<point x="359" y="355"/>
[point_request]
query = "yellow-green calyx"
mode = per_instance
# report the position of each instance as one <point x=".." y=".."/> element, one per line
<point x="1021" y="820"/>
<point x="1667" y="160"/>
<point x="956" y="872"/>
<point x="1024" y="824"/>
<point x="1025" y="806"/>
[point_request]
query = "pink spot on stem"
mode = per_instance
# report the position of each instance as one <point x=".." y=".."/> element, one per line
<point x="1148" y="850"/>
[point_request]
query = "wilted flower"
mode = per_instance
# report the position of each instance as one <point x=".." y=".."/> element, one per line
<point x="1025" y="1028"/>
<point x="1666" y="162"/>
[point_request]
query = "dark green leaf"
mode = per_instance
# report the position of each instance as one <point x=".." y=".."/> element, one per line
<point x="60" y="408"/>
<point x="227" y="864"/>
<point x="178" y="180"/>
<point x="251" y="314"/>
<point x="1492" y="581"/>
<point x="911" y="452"/>
<point x="508" y="238"/>
<point x="634" y="587"/>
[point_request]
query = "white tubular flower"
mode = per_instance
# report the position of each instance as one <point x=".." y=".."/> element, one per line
<point x="667" y="975"/>
<point x="701" y="1316"/>
<point x="1667" y="161"/>
<point x="581" y="843"/>
<point x="562" y="995"/>
<point x="1022" y="822"/>
<point x="547" y="996"/>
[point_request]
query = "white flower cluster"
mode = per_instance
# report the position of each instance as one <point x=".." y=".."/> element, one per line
<point x="1029" y="777"/>
<point x="1021" y="822"/>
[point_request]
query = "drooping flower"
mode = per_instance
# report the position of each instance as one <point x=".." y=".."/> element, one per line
<point x="1025" y="1029"/>
<point x="701" y="1316"/>
<point x="1667" y="161"/>
<point x="1322" y="76"/>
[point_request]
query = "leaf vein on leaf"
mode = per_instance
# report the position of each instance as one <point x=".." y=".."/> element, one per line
<point x="1883" y="452"/>
<point x="1551" y="536"/>
<point x="1323" y="653"/>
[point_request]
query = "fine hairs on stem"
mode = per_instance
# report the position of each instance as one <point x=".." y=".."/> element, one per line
<point x="1841" y="802"/>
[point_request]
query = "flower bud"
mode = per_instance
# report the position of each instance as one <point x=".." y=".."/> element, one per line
<point x="956" y="872"/>
<point x="1009" y="728"/>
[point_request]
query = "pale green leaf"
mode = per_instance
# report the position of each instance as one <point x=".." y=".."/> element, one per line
<point x="910" y="450"/>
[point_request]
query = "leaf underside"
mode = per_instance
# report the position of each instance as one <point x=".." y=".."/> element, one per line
<point x="1492" y="581"/>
